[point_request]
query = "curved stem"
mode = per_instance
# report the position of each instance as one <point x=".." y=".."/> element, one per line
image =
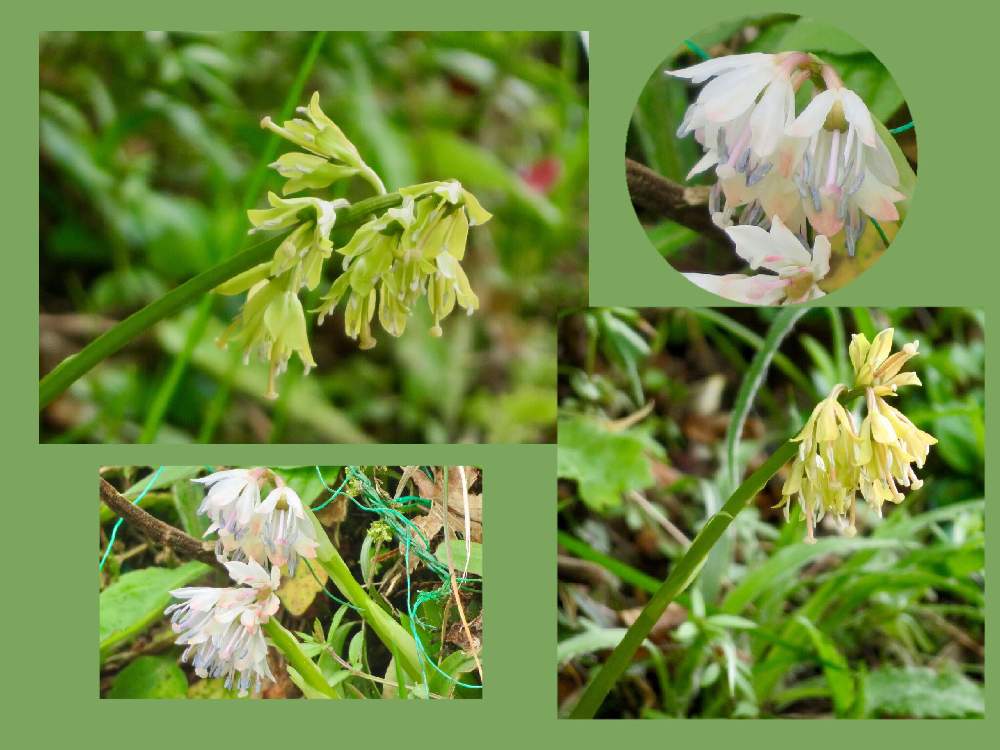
<point x="681" y="576"/>
<point x="77" y="365"/>
<point x="296" y="658"/>
<point x="390" y="632"/>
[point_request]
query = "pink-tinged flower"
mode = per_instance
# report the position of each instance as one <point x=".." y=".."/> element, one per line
<point x="780" y="251"/>
<point x="233" y="495"/>
<point x="222" y="627"/>
<point x="741" y="114"/>
<point x="846" y="169"/>
<point x="286" y="530"/>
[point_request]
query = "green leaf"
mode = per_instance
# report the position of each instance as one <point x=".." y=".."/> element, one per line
<point x="605" y="463"/>
<point x="922" y="693"/>
<point x="456" y="666"/>
<point x="307" y="690"/>
<point x="813" y="35"/>
<point x="782" y="567"/>
<point x="150" y="677"/>
<point x="187" y="497"/>
<point x="137" y="599"/>
<point x="835" y="668"/>
<point x="783" y="322"/>
<point x="458" y="556"/>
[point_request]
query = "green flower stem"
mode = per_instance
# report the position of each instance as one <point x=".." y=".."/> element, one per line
<point x="289" y="646"/>
<point x="77" y="365"/>
<point x="390" y="632"/>
<point x="683" y="573"/>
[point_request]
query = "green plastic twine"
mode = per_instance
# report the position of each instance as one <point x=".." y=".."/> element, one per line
<point x="404" y="530"/>
<point x="114" y="530"/>
<point x="691" y="45"/>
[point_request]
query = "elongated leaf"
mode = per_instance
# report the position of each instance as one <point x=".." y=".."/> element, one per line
<point x="785" y="565"/>
<point x="835" y="668"/>
<point x="783" y="322"/>
<point x="137" y="599"/>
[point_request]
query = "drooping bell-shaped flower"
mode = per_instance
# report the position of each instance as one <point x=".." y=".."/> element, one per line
<point x="797" y="269"/>
<point x="286" y="531"/>
<point x="889" y="442"/>
<point x="221" y="627"/>
<point x="846" y="172"/>
<point x="741" y="114"/>
<point x="823" y="477"/>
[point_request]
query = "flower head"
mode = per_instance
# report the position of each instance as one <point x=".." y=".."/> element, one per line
<point x="835" y="461"/>
<point x="286" y="531"/>
<point x="889" y="442"/>
<point x="824" y="476"/>
<point x="741" y="114"/>
<point x="221" y="627"/>
<point x="846" y="169"/>
<point x="778" y="250"/>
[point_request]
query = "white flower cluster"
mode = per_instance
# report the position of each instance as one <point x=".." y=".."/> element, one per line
<point x="825" y="168"/>
<point x="221" y="627"/>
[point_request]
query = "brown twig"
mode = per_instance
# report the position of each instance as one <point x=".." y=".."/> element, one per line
<point x="657" y="197"/>
<point x="155" y="530"/>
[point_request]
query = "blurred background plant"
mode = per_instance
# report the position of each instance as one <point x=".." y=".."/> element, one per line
<point x="151" y="151"/>
<point x="138" y="656"/>
<point x="887" y="624"/>
<point x="653" y="142"/>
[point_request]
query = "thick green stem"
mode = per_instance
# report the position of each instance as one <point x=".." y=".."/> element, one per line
<point x="683" y="573"/>
<point x="289" y="646"/>
<point x="77" y="365"/>
<point x="390" y="632"/>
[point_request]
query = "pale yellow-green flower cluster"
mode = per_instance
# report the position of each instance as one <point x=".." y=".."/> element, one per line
<point x="395" y="258"/>
<point x="836" y="461"/>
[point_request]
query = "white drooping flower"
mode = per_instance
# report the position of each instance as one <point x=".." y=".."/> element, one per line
<point x="797" y="270"/>
<point x="233" y="496"/>
<point x="285" y="529"/>
<point x="741" y="114"/>
<point x="846" y="170"/>
<point x="221" y="627"/>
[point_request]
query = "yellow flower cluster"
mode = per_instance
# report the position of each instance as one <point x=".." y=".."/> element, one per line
<point x="835" y="460"/>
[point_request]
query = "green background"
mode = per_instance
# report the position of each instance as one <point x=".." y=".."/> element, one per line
<point x="941" y="56"/>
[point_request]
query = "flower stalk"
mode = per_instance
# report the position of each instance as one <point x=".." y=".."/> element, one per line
<point x="296" y="658"/>
<point x="390" y="632"/>
<point x="681" y="576"/>
<point x="77" y="365"/>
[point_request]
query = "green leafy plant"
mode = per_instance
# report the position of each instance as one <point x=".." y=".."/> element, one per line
<point x="363" y="639"/>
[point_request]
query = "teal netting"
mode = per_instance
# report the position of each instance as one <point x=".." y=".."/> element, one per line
<point x="414" y="541"/>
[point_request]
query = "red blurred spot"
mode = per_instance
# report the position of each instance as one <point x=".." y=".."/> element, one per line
<point x="542" y="175"/>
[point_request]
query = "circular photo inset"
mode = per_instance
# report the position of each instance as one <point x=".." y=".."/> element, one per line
<point x="771" y="160"/>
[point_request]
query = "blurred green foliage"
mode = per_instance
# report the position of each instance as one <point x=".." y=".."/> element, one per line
<point x="886" y="624"/>
<point x="150" y="151"/>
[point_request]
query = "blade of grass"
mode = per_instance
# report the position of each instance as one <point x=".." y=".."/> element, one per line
<point x="782" y="362"/>
<point x="624" y="571"/>
<point x="683" y="573"/>
<point x="782" y="324"/>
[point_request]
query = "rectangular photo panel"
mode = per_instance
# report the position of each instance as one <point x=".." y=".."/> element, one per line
<point x="771" y="513"/>
<point x="308" y="237"/>
<point x="286" y="582"/>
